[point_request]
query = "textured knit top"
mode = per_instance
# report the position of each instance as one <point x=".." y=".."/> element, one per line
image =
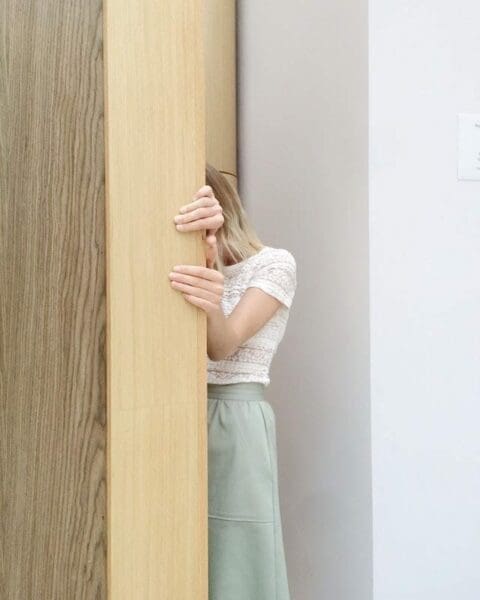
<point x="273" y="270"/>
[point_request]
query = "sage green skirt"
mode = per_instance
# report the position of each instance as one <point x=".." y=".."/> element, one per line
<point x="245" y="542"/>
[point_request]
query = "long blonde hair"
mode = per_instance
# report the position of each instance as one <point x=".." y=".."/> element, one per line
<point x="236" y="238"/>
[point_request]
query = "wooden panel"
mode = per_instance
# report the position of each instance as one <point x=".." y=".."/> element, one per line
<point x="220" y="54"/>
<point x="157" y="439"/>
<point x="52" y="294"/>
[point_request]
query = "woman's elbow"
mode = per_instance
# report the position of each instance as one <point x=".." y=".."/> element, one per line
<point x="217" y="355"/>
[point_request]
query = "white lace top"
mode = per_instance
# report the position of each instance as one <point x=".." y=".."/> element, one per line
<point x="273" y="270"/>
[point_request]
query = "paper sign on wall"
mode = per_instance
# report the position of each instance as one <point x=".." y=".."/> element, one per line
<point x="469" y="147"/>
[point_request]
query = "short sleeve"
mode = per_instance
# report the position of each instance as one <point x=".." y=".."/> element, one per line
<point x="277" y="276"/>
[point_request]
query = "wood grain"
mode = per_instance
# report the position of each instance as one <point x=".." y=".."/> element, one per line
<point x="52" y="302"/>
<point x="221" y="96"/>
<point x="157" y="433"/>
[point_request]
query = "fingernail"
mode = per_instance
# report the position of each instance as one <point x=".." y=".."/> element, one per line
<point x="177" y="267"/>
<point x="176" y="219"/>
<point x="179" y="226"/>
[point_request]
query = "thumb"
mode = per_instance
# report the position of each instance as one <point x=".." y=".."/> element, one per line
<point x="211" y="239"/>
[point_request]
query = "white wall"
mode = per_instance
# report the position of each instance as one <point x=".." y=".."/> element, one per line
<point x="303" y="143"/>
<point x="425" y="302"/>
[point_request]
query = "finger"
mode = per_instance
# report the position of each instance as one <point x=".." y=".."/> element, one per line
<point x="205" y="190"/>
<point x="211" y="239"/>
<point x="199" y="213"/>
<point x="211" y="245"/>
<point x="199" y="271"/>
<point x="213" y="286"/>
<point x="200" y="198"/>
<point x="203" y="201"/>
<point x="195" y="291"/>
<point x="200" y="302"/>
<point x="214" y="222"/>
<point x="210" y="261"/>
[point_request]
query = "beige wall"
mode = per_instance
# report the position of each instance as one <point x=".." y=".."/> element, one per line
<point x="303" y="175"/>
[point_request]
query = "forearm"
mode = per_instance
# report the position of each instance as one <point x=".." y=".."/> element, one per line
<point x="222" y="339"/>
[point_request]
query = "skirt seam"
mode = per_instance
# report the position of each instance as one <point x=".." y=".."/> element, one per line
<point x="241" y="519"/>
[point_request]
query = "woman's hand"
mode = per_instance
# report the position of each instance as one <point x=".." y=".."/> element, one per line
<point x="201" y="286"/>
<point x="203" y="213"/>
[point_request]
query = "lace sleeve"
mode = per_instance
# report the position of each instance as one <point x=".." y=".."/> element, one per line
<point x="277" y="276"/>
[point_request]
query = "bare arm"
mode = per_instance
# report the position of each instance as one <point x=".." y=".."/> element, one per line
<point x="226" y="334"/>
<point x="203" y="287"/>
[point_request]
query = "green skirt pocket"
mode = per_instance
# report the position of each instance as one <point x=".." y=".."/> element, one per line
<point x="240" y="469"/>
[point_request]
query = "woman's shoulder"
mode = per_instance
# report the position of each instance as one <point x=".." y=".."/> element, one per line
<point x="270" y="254"/>
<point x="275" y="273"/>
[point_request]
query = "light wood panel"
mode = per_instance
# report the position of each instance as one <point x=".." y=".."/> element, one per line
<point x="221" y="96"/>
<point x="52" y="302"/>
<point x="157" y="439"/>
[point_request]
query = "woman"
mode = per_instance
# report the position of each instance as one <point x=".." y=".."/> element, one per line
<point x="246" y="290"/>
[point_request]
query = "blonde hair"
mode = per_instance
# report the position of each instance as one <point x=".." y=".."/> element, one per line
<point x="236" y="238"/>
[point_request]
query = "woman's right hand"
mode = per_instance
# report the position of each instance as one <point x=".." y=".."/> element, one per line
<point x="203" y="213"/>
<point x="201" y="286"/>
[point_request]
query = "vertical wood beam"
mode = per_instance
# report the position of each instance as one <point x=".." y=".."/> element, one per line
<point x="157" y="434"/>
<point x="221" y="96"/>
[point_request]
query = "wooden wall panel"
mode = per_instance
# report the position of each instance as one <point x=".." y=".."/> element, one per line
<point x="157" y="439"/>
<point x="221" y="95"/>
<point x="52" y="301"/>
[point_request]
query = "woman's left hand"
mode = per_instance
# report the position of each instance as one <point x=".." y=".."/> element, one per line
<point x="201" y="286"/>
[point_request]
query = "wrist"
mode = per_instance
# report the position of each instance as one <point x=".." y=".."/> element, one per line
<point x="215" y="313"/>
